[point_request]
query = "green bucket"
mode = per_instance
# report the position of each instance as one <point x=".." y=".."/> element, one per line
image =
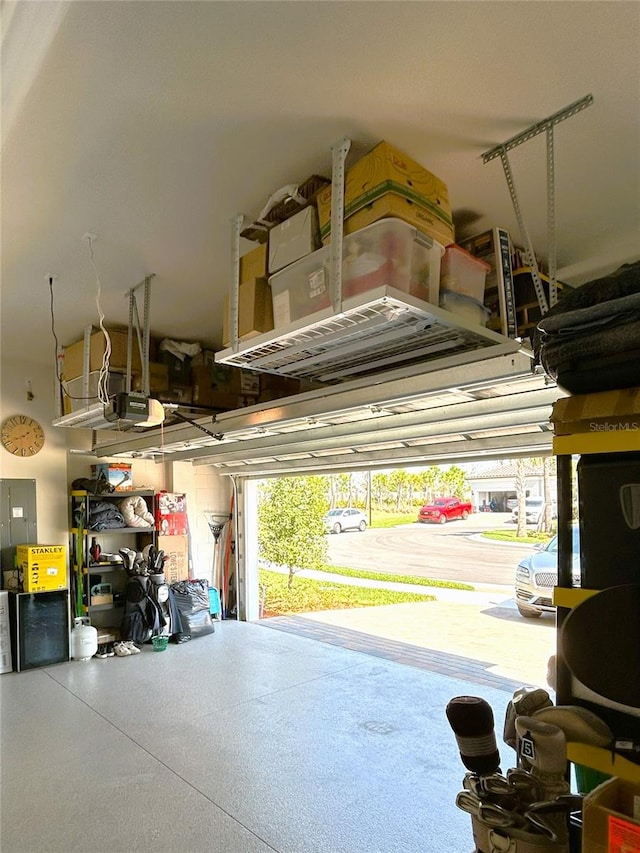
<point x="159" y="643"/>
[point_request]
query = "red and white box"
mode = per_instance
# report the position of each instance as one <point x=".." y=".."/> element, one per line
<point x="171" y="514"/>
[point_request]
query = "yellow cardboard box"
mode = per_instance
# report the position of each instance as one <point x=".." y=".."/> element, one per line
<point x="611" y="817"/>
<point x="604" y="411"/>
<point x="43" y="567"/>
<point x="386" y="170"/>
<point x="255" y="311"/>
<point x="254" y="263"/>
<point x="400" y="208"/>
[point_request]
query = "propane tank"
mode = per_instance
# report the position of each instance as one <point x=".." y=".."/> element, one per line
<point x="84" y="639"/>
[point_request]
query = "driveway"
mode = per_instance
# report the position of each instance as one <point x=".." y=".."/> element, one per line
<point x="453" y="551"/>
<point x="479" y="634"/>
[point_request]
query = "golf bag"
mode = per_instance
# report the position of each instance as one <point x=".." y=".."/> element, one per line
<point x="143" y="616"/>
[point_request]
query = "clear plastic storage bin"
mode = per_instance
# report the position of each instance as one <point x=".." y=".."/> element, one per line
<point x="463" y="273"/>
<point x="388" y="253"/>
<point x="465" y="307"/>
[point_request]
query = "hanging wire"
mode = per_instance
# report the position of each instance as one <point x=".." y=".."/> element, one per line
<point x="103" y="378"/>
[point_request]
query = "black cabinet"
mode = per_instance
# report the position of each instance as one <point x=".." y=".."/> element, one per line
<point x="39" y="626"/>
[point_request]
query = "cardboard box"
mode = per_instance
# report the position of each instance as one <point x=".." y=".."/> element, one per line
<point x="43" y="567"/>
<point x="254" y="263"/>
<point x="158" y="378"/>
<point x="604" y="411"/>
<point x="293" y="239"/>
<point x="255" y="311"/>
<point x="117" y="474"/>
<point x="611" y="818"/>
<point x="178" y="369"/>
<point x="393" y="206"/>
<point x="73" y="361"/>
<point x="176" y="550"/>
<point x="106" y="598"/>
<point x="374" y="184"/>
<point x="171" y="514"/>
<point x="176" y="394"/>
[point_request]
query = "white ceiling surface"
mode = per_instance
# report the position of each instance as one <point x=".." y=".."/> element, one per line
<point x="150" y="124"/>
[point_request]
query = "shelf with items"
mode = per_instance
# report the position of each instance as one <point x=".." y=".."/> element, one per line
<point x="99" y="599"/>
<point x="601" y="429"/>
<point x="338" y="331"/>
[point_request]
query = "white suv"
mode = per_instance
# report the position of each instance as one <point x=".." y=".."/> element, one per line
<point x="533" y="510"/>
<point x="337" y="520"/>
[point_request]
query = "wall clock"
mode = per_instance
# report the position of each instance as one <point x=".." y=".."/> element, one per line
<point x="22" y="435"/>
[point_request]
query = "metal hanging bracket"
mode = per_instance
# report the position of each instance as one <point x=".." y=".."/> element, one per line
<point x="544" y="126"/>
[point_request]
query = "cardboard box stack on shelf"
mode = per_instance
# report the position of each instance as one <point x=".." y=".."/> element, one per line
<point x="388" y="183"/>
<point x="224" y="387"/>
<point x="72" y="367"/>
<point x="255" y="312"/>
<point x="385" y="184"/>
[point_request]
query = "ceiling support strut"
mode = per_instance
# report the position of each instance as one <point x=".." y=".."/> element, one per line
<point x="544" y="126"/>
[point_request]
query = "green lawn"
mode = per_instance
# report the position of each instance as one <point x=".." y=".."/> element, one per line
<point x="388" y="576"/>
<point x="307" y="595"/>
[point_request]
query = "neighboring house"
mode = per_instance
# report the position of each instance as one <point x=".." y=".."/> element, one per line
<point x="493" y="487"/>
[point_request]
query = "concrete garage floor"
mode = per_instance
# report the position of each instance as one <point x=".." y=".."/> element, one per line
<point x="243" y="741"/>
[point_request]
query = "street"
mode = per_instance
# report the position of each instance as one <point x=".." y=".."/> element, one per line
<point x="451" y="551"/>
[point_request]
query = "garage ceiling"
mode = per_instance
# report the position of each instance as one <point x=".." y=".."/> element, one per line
<point x="151" y="124"/>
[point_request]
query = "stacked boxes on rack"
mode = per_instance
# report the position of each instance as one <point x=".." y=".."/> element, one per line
<point x="387" y="183"/>
<point x="397" y="219"/>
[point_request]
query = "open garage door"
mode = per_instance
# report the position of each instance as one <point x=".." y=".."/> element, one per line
<point x="429" y="414"/>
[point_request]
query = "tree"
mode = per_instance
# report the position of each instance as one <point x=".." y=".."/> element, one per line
<point x="291" y="530"/>
<point x="521" y="492"/>
<point x="454" y="480"/>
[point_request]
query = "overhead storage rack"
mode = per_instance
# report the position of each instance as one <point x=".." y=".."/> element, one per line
<point x="373" y="332"/>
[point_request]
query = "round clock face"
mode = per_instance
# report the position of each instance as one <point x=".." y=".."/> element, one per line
<point x="22" y="436"/>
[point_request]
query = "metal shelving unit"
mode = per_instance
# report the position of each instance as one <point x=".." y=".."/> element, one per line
<point x="374" y="331"/>
<point x="358" y="336"/>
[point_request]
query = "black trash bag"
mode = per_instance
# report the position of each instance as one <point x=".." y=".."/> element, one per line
<point x="192" y="600"/>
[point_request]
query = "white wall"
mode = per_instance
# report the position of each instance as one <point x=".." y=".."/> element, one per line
<point x="66" y="455"/>
<point x="49" y="466"/>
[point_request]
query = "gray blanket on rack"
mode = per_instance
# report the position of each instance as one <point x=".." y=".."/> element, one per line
<point x="599" y="321"/>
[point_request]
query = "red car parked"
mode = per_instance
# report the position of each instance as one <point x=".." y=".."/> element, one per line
<point x="445" y="509"/>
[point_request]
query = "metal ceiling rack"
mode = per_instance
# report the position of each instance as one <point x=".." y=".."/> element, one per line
<point x="545" y="126"/>
<point x="96" y="415"/>
<point x="358" y="336"/>
<point x="374" y="331"/>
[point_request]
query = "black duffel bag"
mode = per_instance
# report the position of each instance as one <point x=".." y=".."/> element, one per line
<point x="192" y="600"/>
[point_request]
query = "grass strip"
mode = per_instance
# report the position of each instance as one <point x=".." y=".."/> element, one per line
<point x="313" y="595"/>
<point x="387" y="576"/>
